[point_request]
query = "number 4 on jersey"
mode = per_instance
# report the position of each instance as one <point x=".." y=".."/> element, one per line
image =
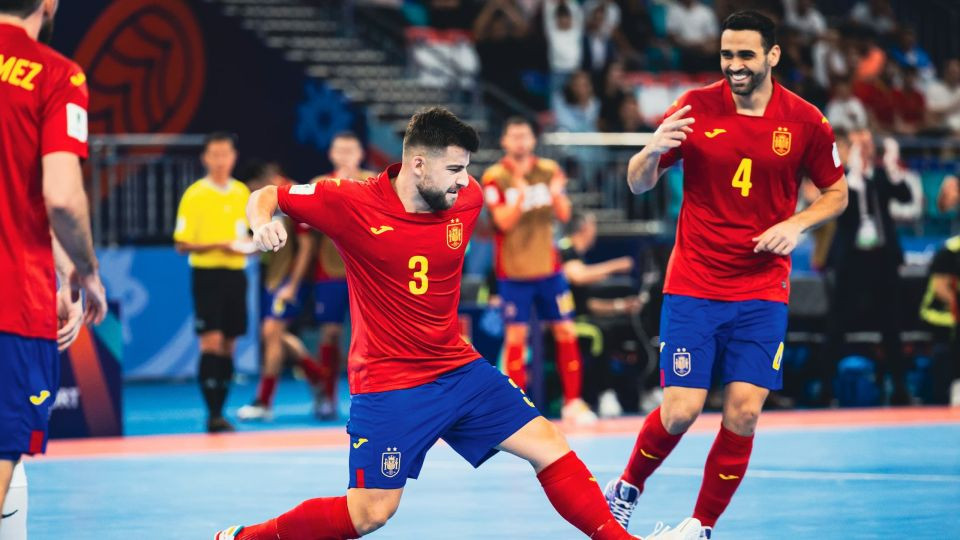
<point x="742" y="178"/>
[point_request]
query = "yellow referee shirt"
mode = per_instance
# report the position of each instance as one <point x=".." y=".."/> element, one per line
<point x="209" y="214"/>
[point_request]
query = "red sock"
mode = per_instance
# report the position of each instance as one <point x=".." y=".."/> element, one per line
<point x="268" y="386"/>
<point x="316" y="519"/>
<point x="574" y="492"/>
<point x="570" y="368"/>
<point x="311" y="369"/>
<point x="726" y="465"/>
<point x="516" y="368"/>
<point x="330" y="361"/>
<point x="653" y="445"/>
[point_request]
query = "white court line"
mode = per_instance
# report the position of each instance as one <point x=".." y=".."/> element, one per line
<point x="520" y="466"/>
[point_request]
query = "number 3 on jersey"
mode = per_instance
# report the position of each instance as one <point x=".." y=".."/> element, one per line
<point x="419" y="284"/>
<point x="742" y="178"/>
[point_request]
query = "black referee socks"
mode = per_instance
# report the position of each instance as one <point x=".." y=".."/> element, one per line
<point x="214" y="377"/>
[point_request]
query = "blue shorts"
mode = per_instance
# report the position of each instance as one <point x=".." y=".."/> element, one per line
<point x="331" y="301"/>
<point x="743" y="341"/>
<point x="473" y="408"/>
<point x="551" y="295"/>
<point x="271" y="308"/>
<point x="29" y="381"/>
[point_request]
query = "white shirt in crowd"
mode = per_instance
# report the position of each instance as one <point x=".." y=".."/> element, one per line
<point x="847" y="114"/>
<point x="563" y="46"/>
<point x="696" y="24"/>
<point x="827" y="60"/>
<point x="811" y="24"/>
<point x="611" y="15"/>
<point x="943" y="99"/>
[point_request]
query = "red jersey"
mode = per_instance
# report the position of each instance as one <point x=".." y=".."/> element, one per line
<point x="43" y="104"/>
<point x="403" y="274"/>
<point x="741" y="175"/>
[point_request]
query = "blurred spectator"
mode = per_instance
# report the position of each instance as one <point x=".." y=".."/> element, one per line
<point x="606" y="323"/>
<point x="845" y="111"/>
<point x="598" y="49"/>
<point x="865" y="257"/>
<point x="804" y="17"/>
<point x="876" y="93"/>
<point x="866" y="57"/>
<point x="448" y="14"/>
<point x="943" y="98"/>
<point x="876" y="15"/>
<point x="579" y="110"/>
<point x="563" y="25"/>
<point x="939" y="309"/>
<point x="908" y="53"/>
<point x="829" y="59"/>
<point x="948" y="196"/>
<point x="611" y="14"/>
<point x="499" y="33"/>
<point x="693" y="28"/>
<point x="613" y="91"/>
<point x="909" y="104"/>
<point x="629" y="119"/>
<point x="637" y="40"/>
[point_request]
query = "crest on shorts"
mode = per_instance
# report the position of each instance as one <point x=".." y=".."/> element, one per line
<point x="681" y="363"/>
<point x="781" y="141"/>
<point x="454" y="234"/>
<point x="390" y="465"/>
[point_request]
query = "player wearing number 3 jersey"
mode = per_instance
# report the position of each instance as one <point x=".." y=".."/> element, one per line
<point x="745" y="143"/>
<point x="413" y="378"/>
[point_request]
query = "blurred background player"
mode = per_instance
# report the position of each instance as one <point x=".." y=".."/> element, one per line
<point x="212" y="228"/>
<point x="281" y="299"/>
<point x="727" y="284"/>
<point x="330" y="284"/>
<point x="525" y="194"/>
<point x="413" y="377"/>
<point x="43" y="104"/>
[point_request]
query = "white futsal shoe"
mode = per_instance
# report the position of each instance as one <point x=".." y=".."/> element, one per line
<point x="622" y="498"/>
<point x="578" y="413"/>
<point x="255" y="411"/>
<point x="688" y="529"/>
<point x="230" y="533"/>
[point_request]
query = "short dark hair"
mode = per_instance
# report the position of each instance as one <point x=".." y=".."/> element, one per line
<point x="578" y="219"/>
<point x="517" y="121"/>
<point x="753" y="20"/>
<point x="437" y="128"/>
<point x="19" y="8"/>
<point x="220" y="136"/>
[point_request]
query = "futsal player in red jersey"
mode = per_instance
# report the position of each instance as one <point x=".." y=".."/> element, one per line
<point x="43" y="136"/>
<point x="413" y="378"/>
<point x="727" y="283"/>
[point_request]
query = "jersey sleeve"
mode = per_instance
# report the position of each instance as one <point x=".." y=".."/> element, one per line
<point x="317" y="204"/>
<point x="186" y="228"/>
<point x="492" y="193"/>
<point x="674" y="154"/>
<point x="64" y="123"/>
<point x="821" y="160"/>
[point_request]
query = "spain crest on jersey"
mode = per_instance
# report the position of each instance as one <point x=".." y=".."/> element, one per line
<point x="781" y="141"/>
<point x="390" y="464"/>
<point x="681" y="363"/>
<point x="454" y="234"/>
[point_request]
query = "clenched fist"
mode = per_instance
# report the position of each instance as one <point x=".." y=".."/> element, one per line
<point x="270" y="236"/>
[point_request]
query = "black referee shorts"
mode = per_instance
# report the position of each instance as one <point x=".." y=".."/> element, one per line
<point x="220" y="301"/>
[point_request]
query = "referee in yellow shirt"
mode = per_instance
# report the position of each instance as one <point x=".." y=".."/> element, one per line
<point x="212" y="227"/>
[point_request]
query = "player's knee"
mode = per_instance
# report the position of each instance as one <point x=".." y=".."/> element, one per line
<point x="375" y="516"/>
<point x="741" y="418"/>
<point x="678" y="417"/>
<point x="564" y="332"/>
<point x="211" y="342"/>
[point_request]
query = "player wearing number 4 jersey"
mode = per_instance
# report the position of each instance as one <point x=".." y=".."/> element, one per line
<point x="745" y="143"/>
<point x="414" y="380"/>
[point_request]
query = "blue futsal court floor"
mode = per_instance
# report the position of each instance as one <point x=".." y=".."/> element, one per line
<point x="827" y="478"/>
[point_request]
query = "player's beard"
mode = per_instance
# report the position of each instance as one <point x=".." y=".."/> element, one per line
<point x="754" y="80"/>
<point x="435" y="198"/>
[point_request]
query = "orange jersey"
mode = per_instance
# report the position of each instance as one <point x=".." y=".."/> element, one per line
<point x="527" y="251"/>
